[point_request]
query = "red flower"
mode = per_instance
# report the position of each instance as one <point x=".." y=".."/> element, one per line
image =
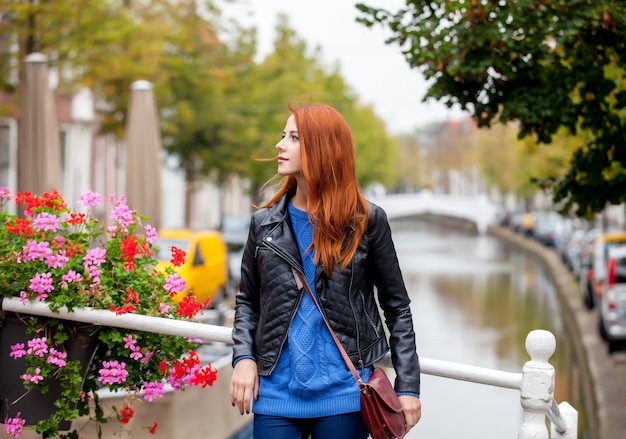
<point x="76" y="218"/>
<point x="129" y="251"/>
<point x="51" y="200"/>
<point x="205" y="376"/>
<point x="126" y="414"/>
<point x="178" y="256"/>
<point x="189" y="306"/>
<point x="73" y="249"/>
<point x="21" y="226"/>
<point x="153" y="428"/>
<point x="132" y="296"/>
<point x="119" y="310"/>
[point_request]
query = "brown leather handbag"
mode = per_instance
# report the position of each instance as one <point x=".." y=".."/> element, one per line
<point x="380" y="407"/>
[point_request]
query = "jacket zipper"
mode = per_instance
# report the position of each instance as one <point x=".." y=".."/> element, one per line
<point x="356" y="325"/>
<point x="286" y="259"/>
<point x="369" y="318"/>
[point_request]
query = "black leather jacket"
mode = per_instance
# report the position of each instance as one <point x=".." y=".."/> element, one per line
<point x="269" y="297"/>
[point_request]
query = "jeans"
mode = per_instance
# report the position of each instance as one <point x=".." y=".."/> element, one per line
<point x="345" y="426"/>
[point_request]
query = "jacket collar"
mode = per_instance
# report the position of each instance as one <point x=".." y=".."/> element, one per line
<point x="278" y="212"/>
<point x="279" y="234"/>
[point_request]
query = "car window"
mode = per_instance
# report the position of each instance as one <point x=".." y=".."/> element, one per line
<point x="197" y="256"/>
<point x="620" y="270"/>
<point x="164" y="245"/>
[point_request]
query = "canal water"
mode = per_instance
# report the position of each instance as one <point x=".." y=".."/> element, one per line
<point x="474" y="301"/>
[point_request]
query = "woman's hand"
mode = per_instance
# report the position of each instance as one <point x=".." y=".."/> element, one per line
<point x="412" y="409"/>
<point x="244" y="385"/>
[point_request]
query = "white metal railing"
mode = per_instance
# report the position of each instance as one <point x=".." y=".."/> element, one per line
<point x="535" y="382"/>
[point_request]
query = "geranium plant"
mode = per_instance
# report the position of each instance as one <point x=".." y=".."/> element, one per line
<point x="69" y="259"/>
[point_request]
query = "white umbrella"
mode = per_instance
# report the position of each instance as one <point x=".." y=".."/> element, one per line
<point x="143" y="154"/>
<point x="39" y="150"/>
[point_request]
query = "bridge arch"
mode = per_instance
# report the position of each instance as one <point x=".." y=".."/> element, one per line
<point x="477" y="209"/>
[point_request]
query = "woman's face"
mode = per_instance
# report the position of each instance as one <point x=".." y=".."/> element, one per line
<point x="289" y="158"/>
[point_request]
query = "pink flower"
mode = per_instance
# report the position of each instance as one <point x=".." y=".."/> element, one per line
<point x="129" y="341"/>
<point x="45" y="221"/>
<point x="36" y="250"/>
<point x="37" y="347"/>
<point x="153" y="390"/>
<point x="57" y="358"/>
<point x="17" y="351"/>
<point x="90" y="199"/>
<point x="93" y="273"/>
<point x="57" y="261"/>
<point x="135" y="354"/>
<point x="13" y="426"/>
<point x="71" y="276"/>
<point x="94" y="256"/>
<point x="121" y="212"/>
<point x="33" y="378"/>
<point x="5" y="193"/>
<point x="151" y="234"/>
<point x="175" y="284"/>
<point x="41" y="283"/>
<point x="147" y="357"/>
<point x="112" y="372"/>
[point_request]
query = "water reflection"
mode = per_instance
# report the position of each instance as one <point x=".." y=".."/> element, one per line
<point x="475" y="299"/>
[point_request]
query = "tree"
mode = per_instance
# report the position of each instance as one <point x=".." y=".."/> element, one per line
<point x="294" y="75"/>
<point x="543" y="63"/>
<point x="219" y="108"/>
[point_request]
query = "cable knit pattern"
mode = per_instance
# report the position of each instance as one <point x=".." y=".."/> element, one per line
<point x="307" y="325"/>
<point x="310" y="378"/>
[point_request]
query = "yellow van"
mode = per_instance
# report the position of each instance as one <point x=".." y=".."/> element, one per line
<point x="205" y="269"/>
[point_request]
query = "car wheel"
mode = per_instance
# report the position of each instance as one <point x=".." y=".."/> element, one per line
<point x="602" y="330"/>
<point x="614" y="346"/>
<point x="219" y="297"/>
<point x="589" y="302"/>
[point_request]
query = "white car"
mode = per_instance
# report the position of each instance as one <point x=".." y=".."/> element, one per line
<point x="612" y="309"/>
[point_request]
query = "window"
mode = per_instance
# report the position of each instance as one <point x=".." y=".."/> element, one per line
<point x="5" y="154"/>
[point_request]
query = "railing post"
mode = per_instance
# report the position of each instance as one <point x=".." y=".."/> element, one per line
<point x="537" y="389"/>
<point x="569" y="416"/>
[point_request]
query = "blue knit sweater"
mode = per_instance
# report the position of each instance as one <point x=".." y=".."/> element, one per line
<point x="310" y="379"/>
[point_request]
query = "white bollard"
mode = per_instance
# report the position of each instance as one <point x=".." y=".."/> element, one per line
<point x="537" y="389"/>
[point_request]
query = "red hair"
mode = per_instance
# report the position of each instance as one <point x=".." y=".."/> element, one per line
<point x="335" y="204"/>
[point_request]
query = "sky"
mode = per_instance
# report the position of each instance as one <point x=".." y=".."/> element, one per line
<point x="377" y="72"/>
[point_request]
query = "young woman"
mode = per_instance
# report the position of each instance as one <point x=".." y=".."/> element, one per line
<point x="320" y="224"/>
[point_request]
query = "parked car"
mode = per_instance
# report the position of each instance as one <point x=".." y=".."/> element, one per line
<point x="612" y="309"/>
<point x="571" y="250"/>
<point x="548" y="228"/>
<point x="234" y="229"/>
<point x="585" y="274"/>
<point x="205" y="269"/>
<point x="522" y="222"/>
<point x="602" y="244"/>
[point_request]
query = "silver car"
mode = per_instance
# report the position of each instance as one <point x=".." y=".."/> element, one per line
<point x="612" y="307"/>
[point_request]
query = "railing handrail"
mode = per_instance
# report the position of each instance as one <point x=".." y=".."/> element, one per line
<point x="137" y="322"/>
<point x="537" y="392"/>
<point x="465" y="372"/>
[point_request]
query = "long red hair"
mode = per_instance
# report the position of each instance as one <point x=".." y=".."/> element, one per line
<point x="335" y="204"/>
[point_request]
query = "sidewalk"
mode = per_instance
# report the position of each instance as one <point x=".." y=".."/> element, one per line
<point x="604" y="376"/>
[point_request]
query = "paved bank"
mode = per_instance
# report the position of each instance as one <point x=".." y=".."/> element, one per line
<point x="604" y="376"/>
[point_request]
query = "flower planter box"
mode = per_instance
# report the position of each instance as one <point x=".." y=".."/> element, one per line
<point x="33" y="404"/>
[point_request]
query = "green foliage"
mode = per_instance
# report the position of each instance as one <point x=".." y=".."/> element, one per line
<point x="291" y="76"/>
<point x="546" y="64"/>
<point x="220" y="109"/>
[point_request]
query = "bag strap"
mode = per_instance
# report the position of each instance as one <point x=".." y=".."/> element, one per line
<point x="302" y="283"/>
